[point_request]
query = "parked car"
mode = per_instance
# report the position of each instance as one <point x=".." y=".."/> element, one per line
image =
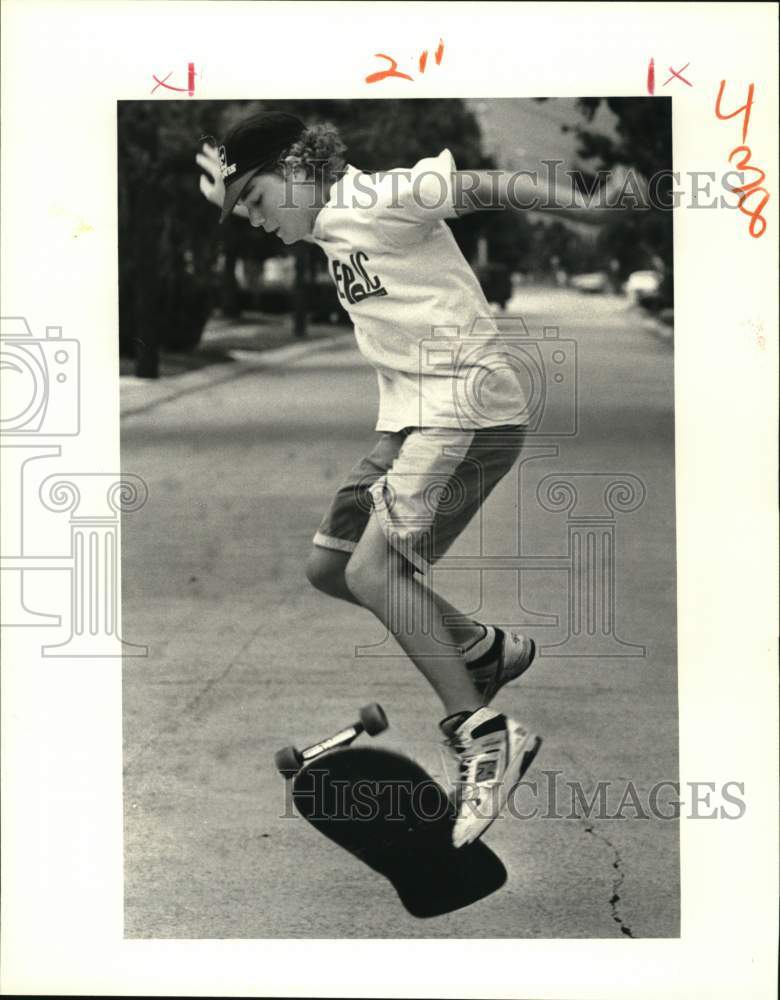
<point x="595" y="283"/>
<point x="641" y="284"/>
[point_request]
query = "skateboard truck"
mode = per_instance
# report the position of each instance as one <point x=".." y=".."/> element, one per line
<point x="289" y="760"/>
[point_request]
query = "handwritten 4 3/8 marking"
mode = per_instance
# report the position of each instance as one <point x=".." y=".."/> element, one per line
<point x="754" y="189"/>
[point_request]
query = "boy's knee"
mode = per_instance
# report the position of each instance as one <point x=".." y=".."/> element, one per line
<point x="368" y="581"/>
<point x="325" y="569"/>
<point x="360" y="579"/>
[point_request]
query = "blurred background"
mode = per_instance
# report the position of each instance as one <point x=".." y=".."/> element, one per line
<point x="191" y="291"/>
<point x="242" y="456"/>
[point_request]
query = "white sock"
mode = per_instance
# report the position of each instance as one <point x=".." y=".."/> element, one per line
<point x="480" y="646"/>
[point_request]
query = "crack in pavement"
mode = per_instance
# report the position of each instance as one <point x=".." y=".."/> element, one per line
<point x="617" y="881"/>
<point x="617" y="860"/>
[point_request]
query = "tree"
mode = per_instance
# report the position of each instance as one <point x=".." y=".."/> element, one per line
<point x="643" y="133"/>
<point x="165" y="263"/>
<point x="643" y="143"/>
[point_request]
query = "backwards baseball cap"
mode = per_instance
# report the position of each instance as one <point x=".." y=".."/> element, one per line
<point x="252" y="146"/>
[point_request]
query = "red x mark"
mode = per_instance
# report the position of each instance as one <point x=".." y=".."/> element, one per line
<point x="162" y="83"/>
<point x="677" y="73"/>
<point x="189" y="89"/>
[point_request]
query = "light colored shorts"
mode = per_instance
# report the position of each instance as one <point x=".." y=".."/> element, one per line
<point x="425" y="484"/>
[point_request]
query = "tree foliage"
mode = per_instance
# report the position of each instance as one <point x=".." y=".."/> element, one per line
<point x="642" y="142"/>
<point x="643" y="133"/>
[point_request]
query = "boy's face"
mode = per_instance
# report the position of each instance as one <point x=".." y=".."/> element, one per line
<point x="286" y="208"/>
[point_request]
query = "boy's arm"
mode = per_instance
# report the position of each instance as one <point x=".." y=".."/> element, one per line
<point x="211" y="180"/>
<point x="481" y="190"/>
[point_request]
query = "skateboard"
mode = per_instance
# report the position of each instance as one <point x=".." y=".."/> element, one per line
<point x="390" y="814"/>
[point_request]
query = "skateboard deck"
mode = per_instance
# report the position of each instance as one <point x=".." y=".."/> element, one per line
<point x="391" y="815"/>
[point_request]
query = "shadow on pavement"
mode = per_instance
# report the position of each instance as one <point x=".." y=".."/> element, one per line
<point x="391" y="815"/>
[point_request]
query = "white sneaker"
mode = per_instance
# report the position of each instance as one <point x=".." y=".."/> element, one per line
<point x="515" y="657"/>
<point x="493" y="754"/>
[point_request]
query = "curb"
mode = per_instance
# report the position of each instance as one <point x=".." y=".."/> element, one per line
<point x="661" y="330"/>
<point x="648" y="323"/>
<point x="137" y="395"/>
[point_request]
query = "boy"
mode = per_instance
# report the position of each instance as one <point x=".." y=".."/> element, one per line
<point x="450" y="428"/>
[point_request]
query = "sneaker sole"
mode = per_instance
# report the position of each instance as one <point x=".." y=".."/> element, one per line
<point x="526" y="760"/>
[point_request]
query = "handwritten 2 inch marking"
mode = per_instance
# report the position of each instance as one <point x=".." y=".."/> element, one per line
<point x="754" y="187"/>
<point x="393" y="70"/>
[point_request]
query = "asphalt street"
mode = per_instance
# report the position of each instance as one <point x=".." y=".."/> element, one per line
<point x="246" y="657"/>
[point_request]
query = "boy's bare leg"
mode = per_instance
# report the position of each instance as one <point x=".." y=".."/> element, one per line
<point x="459" y="628"/>
<point x="382" y="581"/>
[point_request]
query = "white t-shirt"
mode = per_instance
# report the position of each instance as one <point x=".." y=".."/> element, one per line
<point x="420" y="316"/>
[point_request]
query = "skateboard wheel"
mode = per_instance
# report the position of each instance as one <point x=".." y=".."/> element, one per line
<point x="288" y="761"/>
<point x="373" y="719"/>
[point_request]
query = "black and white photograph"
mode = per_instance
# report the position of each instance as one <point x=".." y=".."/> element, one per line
<point x="399" y="378"/>
<point x="389" y="542"/>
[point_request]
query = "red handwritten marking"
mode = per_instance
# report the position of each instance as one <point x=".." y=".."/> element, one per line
<point x="189" y="89"/>
<point x="754" y="214"/>
<point x="748" y="190"/>
<point x="757" y="226"/>
<point x="677" y="73"/>
<point x="746" y="107"/>
<point x="160" y="83"/>
<point x="386" y="73"/>
<point x="744" y="164"/>
<point x="393" y="71"/>
<point x="651" y="77"/>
